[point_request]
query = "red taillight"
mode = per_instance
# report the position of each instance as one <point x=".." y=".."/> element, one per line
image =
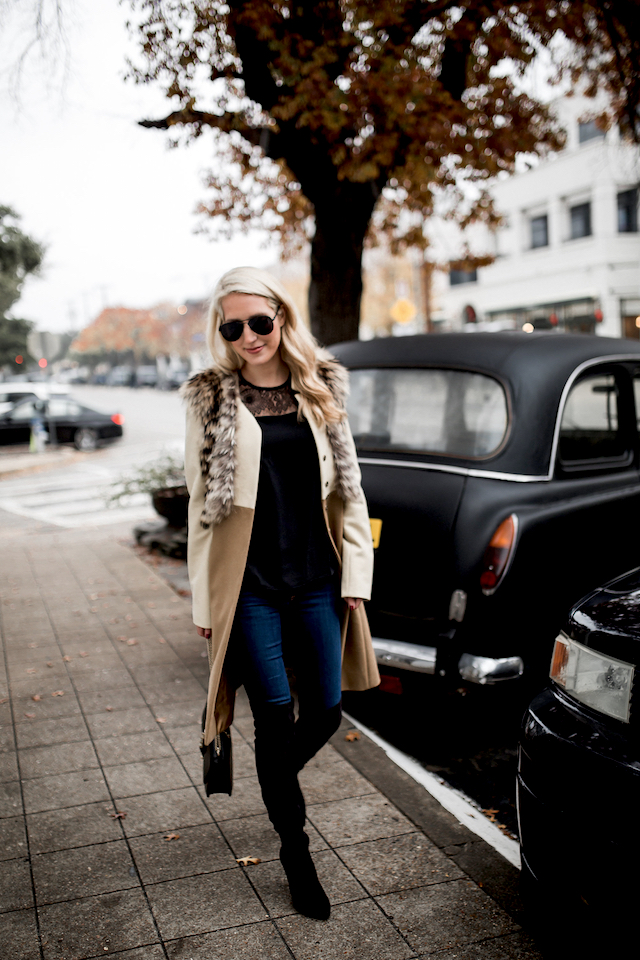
<point x="497" y="554"/>
<point x="118" y="418"/>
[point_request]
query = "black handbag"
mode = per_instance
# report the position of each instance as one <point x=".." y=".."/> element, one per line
<point x="217" y="761"/>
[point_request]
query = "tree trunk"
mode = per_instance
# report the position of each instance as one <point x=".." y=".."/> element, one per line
<point x="335" y="290"/>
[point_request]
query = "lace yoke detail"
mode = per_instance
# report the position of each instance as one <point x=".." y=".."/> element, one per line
<point x="268" y="401"/>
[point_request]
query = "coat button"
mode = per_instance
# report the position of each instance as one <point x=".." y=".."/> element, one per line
<point x="325" y="457"/>
<point x="327" y="483"/>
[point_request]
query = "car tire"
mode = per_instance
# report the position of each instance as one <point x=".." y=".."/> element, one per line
<point x="85" y="439"/>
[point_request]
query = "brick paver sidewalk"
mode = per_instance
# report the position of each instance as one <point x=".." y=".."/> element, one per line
<point x="109" y="845"/>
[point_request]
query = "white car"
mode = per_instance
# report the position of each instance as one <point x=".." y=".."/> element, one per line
<point x="10" y="393"/>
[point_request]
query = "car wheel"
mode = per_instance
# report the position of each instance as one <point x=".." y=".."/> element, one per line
<point x="85" y="439"/>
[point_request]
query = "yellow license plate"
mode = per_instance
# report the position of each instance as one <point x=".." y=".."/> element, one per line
<point x="376" y="529"/>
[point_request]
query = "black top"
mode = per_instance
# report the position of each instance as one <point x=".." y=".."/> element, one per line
<point x="290" y="547"/>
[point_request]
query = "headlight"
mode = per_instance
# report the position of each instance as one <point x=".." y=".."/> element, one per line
<point x="602" y="683"/>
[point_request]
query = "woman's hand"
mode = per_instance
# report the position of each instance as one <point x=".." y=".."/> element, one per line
<point x="204" y="632"/>
<point x="353" y="602"/>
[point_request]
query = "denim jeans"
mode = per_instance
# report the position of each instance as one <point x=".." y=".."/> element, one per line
<point x="306" y="628"/>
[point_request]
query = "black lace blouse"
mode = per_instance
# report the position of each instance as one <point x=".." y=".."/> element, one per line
<point x="290" y="547"/>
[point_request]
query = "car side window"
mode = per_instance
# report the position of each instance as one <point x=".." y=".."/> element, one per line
<point x="26" y="411"/>
<point x="12" y="397"/>
<point x="64" y="408"/>
<point x="590" y="429"/>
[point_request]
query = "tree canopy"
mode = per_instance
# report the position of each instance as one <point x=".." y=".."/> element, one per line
<point x="125" y="333"/>
<point x="338" y="116"/>
<point x="20" y="255"/>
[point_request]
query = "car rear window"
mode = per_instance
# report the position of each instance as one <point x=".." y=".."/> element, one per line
<point x="452" y="412"/>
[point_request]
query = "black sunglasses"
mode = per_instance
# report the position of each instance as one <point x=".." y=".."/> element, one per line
<point x="260" y="324"/>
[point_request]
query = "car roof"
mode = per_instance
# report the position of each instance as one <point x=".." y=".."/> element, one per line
<point x="533" y="367"/>
<point x="505" y="352"/>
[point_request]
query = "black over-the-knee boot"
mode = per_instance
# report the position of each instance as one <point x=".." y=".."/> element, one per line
<point x="312" y="730"/>
<point x="278" y="777"/>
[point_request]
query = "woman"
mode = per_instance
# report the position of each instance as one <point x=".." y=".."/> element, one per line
<point x="279" y="552"/>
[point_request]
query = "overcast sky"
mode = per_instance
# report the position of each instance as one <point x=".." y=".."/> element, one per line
<point x="113" y="205"/>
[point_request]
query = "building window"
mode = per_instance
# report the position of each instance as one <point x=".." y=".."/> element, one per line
<point x="589" y="131"/>
<point x="580" y="218"/>
<point x="462" y="276"/>
<point x="628" y="211"/>
<point x="540" y="231"/>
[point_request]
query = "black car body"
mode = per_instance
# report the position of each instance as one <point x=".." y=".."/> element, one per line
<point x="501" y="473"/>
<point x="579" y="758"/>
<point x="63" y="419"/>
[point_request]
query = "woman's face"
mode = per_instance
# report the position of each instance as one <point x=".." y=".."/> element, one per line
<point x="252" y="348"/>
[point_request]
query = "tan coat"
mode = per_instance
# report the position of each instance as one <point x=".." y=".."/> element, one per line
<point x="222" y="464"/>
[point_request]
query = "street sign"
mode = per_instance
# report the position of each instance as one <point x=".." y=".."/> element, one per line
<point x="403" y="311"/>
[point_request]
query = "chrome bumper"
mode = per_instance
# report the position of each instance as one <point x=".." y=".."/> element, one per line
<point x="404" y="656"/>
<point x="489" y="669"/>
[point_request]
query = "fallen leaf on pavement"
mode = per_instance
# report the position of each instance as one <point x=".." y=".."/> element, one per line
<point x="67" y="659"/>
<point x="29" y="716"/>
<point x="491" y="814"/>
<point x="31" y="670"/>
<point x="245" y="861"/>
<point x="83" y="653"/>
<point x="132" y="642"/>
<point x="36" y="697"/>
<point x="352" y="735"/>
<point x="118" y="815"/>
<point x="122" y="639"/>
<point x="161" y="640"/>
<point x="4" y="700"/>
<point x="49" y="663"/>
<point x="172" y="836"/>
<point x="161" y="719"/>
<point x="58" y="693"/>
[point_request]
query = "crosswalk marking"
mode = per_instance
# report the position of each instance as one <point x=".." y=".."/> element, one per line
<point x="71" y="499"/>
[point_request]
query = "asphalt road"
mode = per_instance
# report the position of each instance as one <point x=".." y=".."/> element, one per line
<point x="75" y="494"/>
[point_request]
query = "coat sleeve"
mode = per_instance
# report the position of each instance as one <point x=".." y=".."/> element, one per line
<point x="199" y="539"/>
<point x="357" y="546"/>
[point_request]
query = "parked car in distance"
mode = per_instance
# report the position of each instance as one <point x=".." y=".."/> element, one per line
<point x="578" y="786"/>
<point x="121" y="376"/>
<point x="11" y="393"/>
<point x="501" y="474"/>
<point x="174" y="378"/>
<point x="64" y="419"/>
<point x="146" y="376"/>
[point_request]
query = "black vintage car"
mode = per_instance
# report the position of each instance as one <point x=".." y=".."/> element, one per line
<point x="578" y="787"/>
<point x="63" y="420"/>
<point x="502" y="476"/>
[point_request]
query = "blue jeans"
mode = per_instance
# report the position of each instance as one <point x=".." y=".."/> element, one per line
<point x="307" y="626"/>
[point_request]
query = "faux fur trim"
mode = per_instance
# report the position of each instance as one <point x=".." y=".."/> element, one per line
<point x="214" y="399"/>
<point x="336" y="378"/>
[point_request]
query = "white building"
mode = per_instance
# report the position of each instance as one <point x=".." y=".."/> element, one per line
<point x="568" y="255"/>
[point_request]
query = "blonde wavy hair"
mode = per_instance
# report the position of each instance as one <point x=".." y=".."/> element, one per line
<point x="298" y="348"/>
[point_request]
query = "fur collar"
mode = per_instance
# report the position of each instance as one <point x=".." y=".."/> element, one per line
<point x="214" y="397"/>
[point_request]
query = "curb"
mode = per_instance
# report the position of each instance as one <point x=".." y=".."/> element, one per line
<point x="498" y="878"/>
<point x="11" y="465"/>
